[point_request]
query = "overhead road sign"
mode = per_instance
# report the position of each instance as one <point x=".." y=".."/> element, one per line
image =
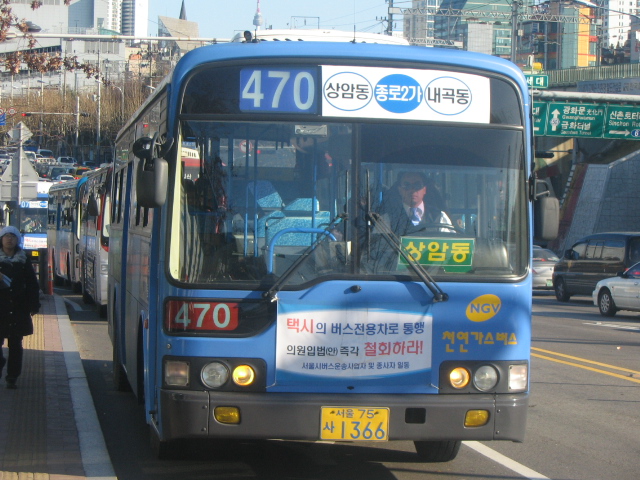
<point x="622" y="121"/>
<point x="537" y="81"/>
<point x="575" y="119"/>
<point x="540" y="118"/>
<point x="586" y="120"/>
<point x="586" y="115"/>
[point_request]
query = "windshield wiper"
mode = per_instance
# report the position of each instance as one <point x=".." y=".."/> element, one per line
<point x="272" y="293"/>
<point x="394" y="242"/>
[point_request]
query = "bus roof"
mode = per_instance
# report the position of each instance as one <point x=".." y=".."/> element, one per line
<point x="321" y="35"/>
<point x="324" y="52"/>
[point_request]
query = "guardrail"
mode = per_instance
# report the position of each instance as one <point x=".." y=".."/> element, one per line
<point x="569" y="77"/>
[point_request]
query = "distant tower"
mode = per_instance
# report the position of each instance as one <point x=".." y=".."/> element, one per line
<point x="183" y="12"/>
<point x="257" y="18"/>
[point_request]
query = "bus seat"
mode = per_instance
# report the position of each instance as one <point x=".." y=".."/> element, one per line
<point x="275" y="225"/>
<point x="266" y="195"/>
<point x="303" y="205"/>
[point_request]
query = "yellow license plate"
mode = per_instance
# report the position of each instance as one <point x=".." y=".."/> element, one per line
<point x="354" y="423"/>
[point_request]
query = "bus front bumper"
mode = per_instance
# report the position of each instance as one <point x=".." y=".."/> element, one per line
<point x="296" y="416"/>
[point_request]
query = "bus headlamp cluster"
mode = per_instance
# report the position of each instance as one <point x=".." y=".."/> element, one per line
<point x="223" y="374"/>
<point x="216" y="374"/>
<point x="485" y="378"/>
<point x="496" y="377"/>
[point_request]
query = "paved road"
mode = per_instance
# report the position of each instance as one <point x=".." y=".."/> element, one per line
<point x="583" y="421"/>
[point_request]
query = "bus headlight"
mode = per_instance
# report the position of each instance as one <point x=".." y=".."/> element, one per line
<point x="518" y="377"/>
<point x="214" y="374"/>
<point x="485" y="378"/>
<point x="459" y="377"/>
<point x="176" y="373"/>
<point x="243" y="375"/>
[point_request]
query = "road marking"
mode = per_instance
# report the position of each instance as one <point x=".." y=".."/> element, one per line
<point x="505" y="461"/>
<point x="584" y="360"/>
<point x="611" y="325"/>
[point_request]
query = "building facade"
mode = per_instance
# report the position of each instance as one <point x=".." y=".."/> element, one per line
<point x="135" y="17"/>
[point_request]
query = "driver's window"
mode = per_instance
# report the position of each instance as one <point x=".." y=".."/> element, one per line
<point x="578" y="251"/>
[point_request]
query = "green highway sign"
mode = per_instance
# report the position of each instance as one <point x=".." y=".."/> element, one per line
<point x="575" y="120"/>
<point x="622" y="121"/>
<point x="537" y="81"/>
<point x="540" y="118"/>
<point x="586" y="120"/>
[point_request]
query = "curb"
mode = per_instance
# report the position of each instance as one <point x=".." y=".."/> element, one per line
<point x="95" y="457"/>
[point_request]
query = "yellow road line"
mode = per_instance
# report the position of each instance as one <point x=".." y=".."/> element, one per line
<point x="617" y="375"/>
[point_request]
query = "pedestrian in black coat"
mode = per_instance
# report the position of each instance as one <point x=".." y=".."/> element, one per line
<point x="19" y="300"/>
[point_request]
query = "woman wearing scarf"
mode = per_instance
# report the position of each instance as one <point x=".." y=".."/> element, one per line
<point x="19" y="299"/>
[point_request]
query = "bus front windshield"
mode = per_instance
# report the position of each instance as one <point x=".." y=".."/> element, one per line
<point x="33" y="220"/>
<point x="255" y="201"/>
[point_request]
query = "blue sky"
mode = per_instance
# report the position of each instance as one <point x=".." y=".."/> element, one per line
<point x="223" y="18"/>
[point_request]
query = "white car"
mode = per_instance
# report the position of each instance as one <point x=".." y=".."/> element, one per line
<point x="619" y="293"/>
<point x="543" y="262"/>
<point x="63" y="178"/>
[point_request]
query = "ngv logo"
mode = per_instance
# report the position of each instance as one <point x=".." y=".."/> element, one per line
<point x="483" y="308"/>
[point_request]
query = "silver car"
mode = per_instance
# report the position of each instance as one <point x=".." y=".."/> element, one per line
<point x="618" y="293"/>
<point x="543" y="262"/>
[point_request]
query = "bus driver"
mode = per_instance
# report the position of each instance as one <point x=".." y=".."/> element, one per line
<point x="413" y="204"/>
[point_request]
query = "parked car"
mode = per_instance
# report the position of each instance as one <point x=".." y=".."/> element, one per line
<point x="46" y="153"/>
<point x="31" y="156"/>
<point x="67" y="160"/>
<point x="543" y="262"/>
<point x="55" y="171"/>
<point x="79" y="171"/>
<point x="63" y="178"/>
<point x="621" y="292"/>
<point x="594" y="258"/>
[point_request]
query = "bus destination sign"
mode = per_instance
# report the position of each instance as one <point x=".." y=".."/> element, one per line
<point x="370" y="92"/>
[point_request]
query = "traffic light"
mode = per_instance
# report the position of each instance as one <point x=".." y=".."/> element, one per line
<point x="26" y="114"/>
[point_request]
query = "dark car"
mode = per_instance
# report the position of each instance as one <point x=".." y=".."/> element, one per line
<point x="594" y="258"/>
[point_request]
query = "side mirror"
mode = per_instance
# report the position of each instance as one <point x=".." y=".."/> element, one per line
<point x="546" y="215"/>
<point x="151" y="183"/>
<point x="152" y="174"/>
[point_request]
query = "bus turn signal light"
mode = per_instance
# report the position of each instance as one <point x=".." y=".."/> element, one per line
<point x="243" y="375"/>
<point x="459" y="377"/>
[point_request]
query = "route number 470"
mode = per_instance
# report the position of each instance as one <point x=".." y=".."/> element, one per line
<point x="281" y="90"/>
<point x="201" y="316"/>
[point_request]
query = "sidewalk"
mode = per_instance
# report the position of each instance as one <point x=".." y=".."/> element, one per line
<point x="48" y="426"/>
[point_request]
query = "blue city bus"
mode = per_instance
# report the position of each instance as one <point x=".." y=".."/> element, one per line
<point x="93" y="202"/>
<point x="265" y="280"/>
<point x="64" y="223"/>
<point x="33" y="219"/>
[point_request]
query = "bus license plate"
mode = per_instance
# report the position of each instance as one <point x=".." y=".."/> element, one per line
<point x="354" y="423"/>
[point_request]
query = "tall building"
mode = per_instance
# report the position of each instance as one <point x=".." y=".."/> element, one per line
<point x="617" y="20"/>
<point x="135" y="17"/>
<point x="419" y="26"/>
